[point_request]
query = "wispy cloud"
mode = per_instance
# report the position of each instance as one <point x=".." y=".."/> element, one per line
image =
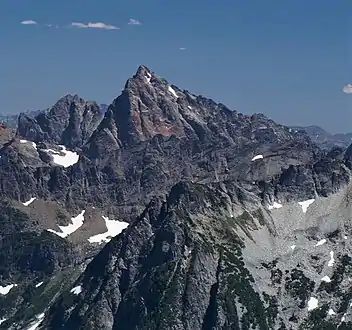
<point x="95" y="25"/>
<point x="133" y="21"/>
<point x="182" y="48"/>
<point x="347" y="89"/>
<point x="29" y="22"/>
<point x="78" y="25"/>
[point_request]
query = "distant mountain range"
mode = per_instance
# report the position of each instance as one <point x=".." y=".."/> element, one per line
<point x="325" y="139"/>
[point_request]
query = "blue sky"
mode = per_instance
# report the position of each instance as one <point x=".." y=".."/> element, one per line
<point x="287" y="59"/>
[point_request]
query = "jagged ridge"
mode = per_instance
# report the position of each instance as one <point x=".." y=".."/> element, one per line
<point x="153" y="136"/>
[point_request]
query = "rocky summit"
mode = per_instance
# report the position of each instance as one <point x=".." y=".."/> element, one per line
<point x="167" y="210"/>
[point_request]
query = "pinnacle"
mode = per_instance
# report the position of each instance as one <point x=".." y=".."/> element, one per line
<point x="143" y="71"/>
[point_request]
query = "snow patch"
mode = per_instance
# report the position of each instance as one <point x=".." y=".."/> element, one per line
<point x="332" y="260"/>
<point x="172" y="91"/>
<point x="189" y="107"/>
<point x="114" y="228"/>
<point x="343" y="318"/>
<point x="30" y="201"/>
<point x="321" y="242"/>
<point x="257" y="157"/>
<point x="76" y="290"/>
<point x="312" y="303"/>
<point x="39" y="284"/>
<point x="275" y="206"/>
<point x="2" y="321"/>
<point x="4" y="290"/>
<point x="148" y="76"/>
<point x="32" y="143"/>
<point x="37" y="324"/>
<point x="326" y="279"/>
<point x="306" y="204"/>
<point x="293" y="247"/>
<point x="69" y="229"/>
<point x="331" y="312"/>
<point x="68" y="158"/>
<point x="344" y="236"/>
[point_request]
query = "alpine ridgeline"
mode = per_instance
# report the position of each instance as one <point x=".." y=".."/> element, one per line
<point x="170" y="211"/>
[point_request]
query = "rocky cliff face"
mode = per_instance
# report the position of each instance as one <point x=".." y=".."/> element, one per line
<point x="69" y="122"/>
<point x="215" y="258"/>
<point x="131" y="154"/>
<point x="179" y="266"/>
<point x="231" y="221"/>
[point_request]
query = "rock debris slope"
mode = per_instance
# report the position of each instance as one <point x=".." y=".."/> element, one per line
<point x="170" y="211"/>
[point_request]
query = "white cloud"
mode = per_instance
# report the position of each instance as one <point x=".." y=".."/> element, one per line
<point x="29" y="22"/>
<point x="96" y="25"/>
<point x="182" y="48"/>
<point x="133" y="21"/>
<point x="79" y="25"/>
<point x="347" y="89"/>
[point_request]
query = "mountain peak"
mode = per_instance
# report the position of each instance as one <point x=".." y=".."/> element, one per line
<point x="143" y="71"/>
<point x="70" y="122"/>
<point x="143" y="77"/>
<point x="151" y="106"/>
<point x="69" y="97"/>
<point x="73" y="99"/>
